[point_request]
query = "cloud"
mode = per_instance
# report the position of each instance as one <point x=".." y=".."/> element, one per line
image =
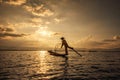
<point x="11" y="35"/>
<point x="112" y="43"/>
<point x="86" y="42"/>
<point x="22" y="14"/>
<point x="13" y="2"/>
<point x="9" y="32"/>
<point x="18" y="20"/>
<point x="6" y="29"/>
<point x="57" y="33"/>
<point x="29" y="12"/>
<point x="46" y="33"/>
<point x="13" y="14"/>
<point x="88" y="38"/>
<point x="109" y="40"/>
<point x="114" y="39"/>
<point x="89" y="42"/>
<point x="117" y="37"/>
<point x="39" y="10"/>
<point x="57" y="20"/>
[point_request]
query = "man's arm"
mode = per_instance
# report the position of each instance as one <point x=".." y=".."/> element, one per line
<point x="62" y="45"/>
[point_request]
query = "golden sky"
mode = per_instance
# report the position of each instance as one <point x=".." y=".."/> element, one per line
<point x="41" y="23"/>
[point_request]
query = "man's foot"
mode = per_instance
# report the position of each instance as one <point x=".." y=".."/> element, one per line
<point x="72" y="48"/>
<point x="66" y="54"/>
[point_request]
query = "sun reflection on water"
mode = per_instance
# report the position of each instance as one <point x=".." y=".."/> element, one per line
<point x="47" y="65"/>
<point x="42" y="53"/>
<point x="43" y="62"/>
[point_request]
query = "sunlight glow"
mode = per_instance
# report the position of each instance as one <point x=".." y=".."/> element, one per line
<point x="44" y="32"/>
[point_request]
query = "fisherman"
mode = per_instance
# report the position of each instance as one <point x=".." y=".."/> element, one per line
<point x="65" y="44"/>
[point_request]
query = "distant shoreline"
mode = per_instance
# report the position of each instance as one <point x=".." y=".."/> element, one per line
<point x="61" y="50"/>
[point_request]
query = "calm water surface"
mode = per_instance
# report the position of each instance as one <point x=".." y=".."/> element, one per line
<point x="39" y="65"/>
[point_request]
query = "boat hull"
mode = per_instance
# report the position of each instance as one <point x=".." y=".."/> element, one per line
<point x="56" y="54"/>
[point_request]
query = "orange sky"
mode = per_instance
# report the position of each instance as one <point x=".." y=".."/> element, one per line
<point x="41" y="23"/>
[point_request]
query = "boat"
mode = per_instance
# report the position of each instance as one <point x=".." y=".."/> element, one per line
<point x="56" y="54"/>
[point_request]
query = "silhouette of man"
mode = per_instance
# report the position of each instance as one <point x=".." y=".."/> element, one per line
<point x="65" y="44"/>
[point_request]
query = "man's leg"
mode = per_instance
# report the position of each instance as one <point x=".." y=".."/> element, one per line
<point x="70" y="47"/>
<point x="66" y="51"/>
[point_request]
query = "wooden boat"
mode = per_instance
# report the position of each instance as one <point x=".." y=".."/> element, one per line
<point x="56" y="54"/>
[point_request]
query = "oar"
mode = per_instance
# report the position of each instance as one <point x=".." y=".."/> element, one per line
<point x="77" y="52"/>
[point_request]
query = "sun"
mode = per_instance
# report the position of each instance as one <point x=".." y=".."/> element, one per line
<point x="44" y="32"/>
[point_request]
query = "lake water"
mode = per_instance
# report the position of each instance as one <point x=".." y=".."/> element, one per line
<point x="39" y="65"/>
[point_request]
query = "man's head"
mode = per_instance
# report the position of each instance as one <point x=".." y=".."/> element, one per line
<point x="62" y="38"/>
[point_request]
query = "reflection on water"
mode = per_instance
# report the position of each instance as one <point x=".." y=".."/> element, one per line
<point x="43" y="62"/>
<point x="39" y="65"/>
